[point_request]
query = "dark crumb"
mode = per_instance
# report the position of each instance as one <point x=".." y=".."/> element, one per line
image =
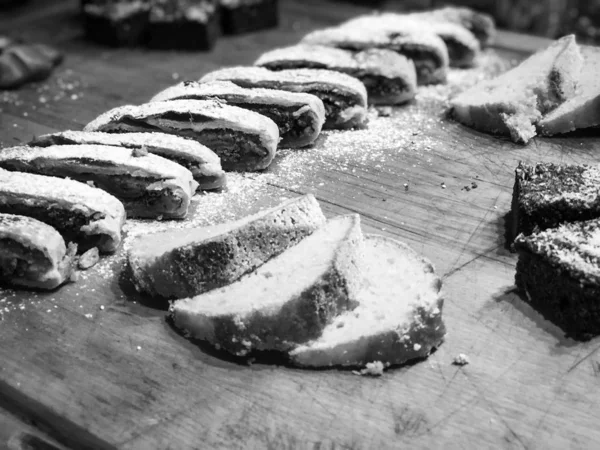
<point x="406" y="187"/>
<point x="473" y="185"/>
<point x="466" y="188"/>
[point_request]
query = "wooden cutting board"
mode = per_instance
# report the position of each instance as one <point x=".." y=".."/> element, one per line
<point x="96" y="366"/>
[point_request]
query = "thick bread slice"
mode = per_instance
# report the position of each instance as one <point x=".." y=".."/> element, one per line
<point x="399" y="316"/>
<point x="184" y="263"/>
<point x="583" y="110"/>
<point x="33" y="254"/>
<point x="512" y="103"/>
<point x="244" y="140"/>
<point x="299" y="116"/>
<point x="285" y="302"/>
<point x="148" y="185"/>
<point x="204" y="164"/>
<point x="78" y="211"/>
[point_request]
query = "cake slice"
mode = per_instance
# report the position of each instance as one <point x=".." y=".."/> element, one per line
<point x="244" y="140"/>
<point x="546" y="195"/>
<point x="299" y="116"/>
<point x="147" y="185"/>
<point x="204" y="164"/>
<point x="184" y="263"/>
<point x="398" y="317"/>
<point x="583" y="110"/>
<point x="116" y="22"/>
<point x="244" y="16"/>
<point x="559" y="272"/>
<point x="33" y="254"/>
<point x="512" y="103"/>
<point x="344" y="97"/>
<point x="81" y="213"/>
<point x="286" y="301"/>
<point x="390" y="78"/>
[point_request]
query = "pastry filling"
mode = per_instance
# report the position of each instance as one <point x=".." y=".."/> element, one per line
<point x="380" y="86"/>
<point x="290" y="126"/>
<point x="19" y="261"/>
<point x="335" y="103"/>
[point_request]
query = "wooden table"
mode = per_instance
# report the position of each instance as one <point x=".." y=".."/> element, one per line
<point x="94" y="366"/>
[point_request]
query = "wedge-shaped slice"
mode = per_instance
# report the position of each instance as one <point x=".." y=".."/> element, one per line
<point x="81" y="213"/>
<point x="399" y="316"/>
<point x="424" y="48"/>
<point x="344" y="97"/>
<point x="515" y="101"/>
<point x="244" y="140"/>
<point x="184" y="263"/>
<point x="299" y="116"/>
<point x="148" y="185"/>
<point x="390" y="78"/>
<point x="583" y="110"/>
<point x="286" y="301"/>
<point x="33" y="254"/>
<point x="204" y="164"/>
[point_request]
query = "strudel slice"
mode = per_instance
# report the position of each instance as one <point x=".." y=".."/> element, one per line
<point x="244" y="140"/>
<point x="33" y="254"/>
<point x="299" y="116"/>
<point x="81" y="213"/>
<point x="243" y="16"/>
<point x="344" y="97"/>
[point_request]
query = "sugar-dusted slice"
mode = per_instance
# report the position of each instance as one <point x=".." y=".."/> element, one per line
<point x="244" y="140"/>
<point x="204" y="164"/>
<point x="184" y="263"/>
<point x="33" y="254"/>
<point x="344" y="97"/>
<point x="424" y="48"/>
<point x="299" y="116"/>
<point x="390" y="78"/>
<point x="147" y="185"/>
<point x="81" y="213"/>
<point x="546" y="195"/>
<point x="559" y="273"/>
<point x="398" y="318"/>
<point x="285" y="302"/>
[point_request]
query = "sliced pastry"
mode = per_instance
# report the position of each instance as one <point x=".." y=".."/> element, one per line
<point x="33" y="254"/>
<point x="513" y="103"/>
<point x="344" y="97"/>
<point x="299" y="116"/>
<point x="81" y="213"/>
<point x="244" y="140"/>
<point x="423" y="47"/>
<point x="398" y="317"/>
<point x="188" y="262"/>
<point x="390" y="78"/>
<point x="286" y="301"/>
<point x="204" y="164"/>
<point x="243" y="16"/>
<point x="22" y="63"/>
<point x="583" y="110"/>
<point x="116" y="22"/>
<point x="148" y="186"/>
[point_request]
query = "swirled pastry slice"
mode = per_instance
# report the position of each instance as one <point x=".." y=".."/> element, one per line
<point x="344" y="97"/>
<point x="148" y="185"/>
<point x="204" y="164"/>
<point x="244" y="140"/>
<point x="299" y="116"/>
<point x="33" y="254"/>
<point x="81" y="213"/>
<point x="390" y="78"/>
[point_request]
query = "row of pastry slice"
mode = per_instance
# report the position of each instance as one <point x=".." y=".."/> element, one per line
<point x="287" y="279"/>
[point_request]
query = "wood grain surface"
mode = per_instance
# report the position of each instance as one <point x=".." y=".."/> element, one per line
<point x="96" y="366"/>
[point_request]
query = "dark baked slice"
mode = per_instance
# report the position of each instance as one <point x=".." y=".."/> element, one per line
<point x="344" y="97"/>
<point x="204" y="164"/>
<point x="243" y="16"/>
<point x="546" y="195"/>
<point x="148" y="185"/>
<point x="116" y="22"/>
<point x="299" y="116"/>
<point x="183" y="24"/>
<point x="423" y="47"/>
<point x="390" y="78"/>
<point x="183" y="263"/>
<point x="244" y="140"/>
<point x="559" y="273"/>
<point x="81" y="213"/>
<point x="33" y="254"/>
<point x="22" y="63"/>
